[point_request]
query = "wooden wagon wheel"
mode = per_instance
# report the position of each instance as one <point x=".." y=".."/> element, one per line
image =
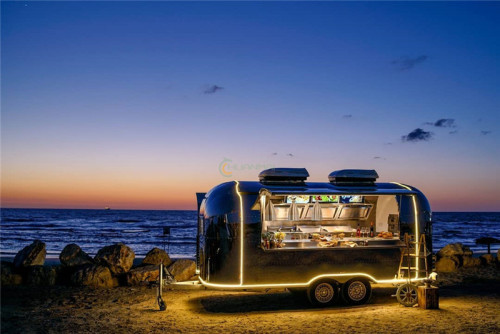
<point x="407" y="294"/>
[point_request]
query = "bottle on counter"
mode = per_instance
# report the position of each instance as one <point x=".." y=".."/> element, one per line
<point x="358" y="231"/>
<point x="372" y="231"/>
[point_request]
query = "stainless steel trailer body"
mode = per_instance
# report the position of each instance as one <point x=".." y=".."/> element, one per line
<point x="234" y="218"/>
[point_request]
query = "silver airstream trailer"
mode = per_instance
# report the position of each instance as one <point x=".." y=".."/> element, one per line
<point x="321" y="239"/>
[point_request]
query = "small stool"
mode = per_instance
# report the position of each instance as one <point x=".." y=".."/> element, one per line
<point x="428" y="297"/>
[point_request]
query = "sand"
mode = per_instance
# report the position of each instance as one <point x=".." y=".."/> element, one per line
<point x="469" y="303"/>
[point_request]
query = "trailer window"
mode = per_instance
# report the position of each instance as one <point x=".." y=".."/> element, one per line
<point x="319" y="221"/>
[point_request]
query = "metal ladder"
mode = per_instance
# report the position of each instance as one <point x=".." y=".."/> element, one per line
<point x="406" y="265"/>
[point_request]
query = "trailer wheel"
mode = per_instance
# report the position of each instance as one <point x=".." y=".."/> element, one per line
<point x="356" y="291"/>
<point x="407" y="294"/>
<point x="323" y="293"/>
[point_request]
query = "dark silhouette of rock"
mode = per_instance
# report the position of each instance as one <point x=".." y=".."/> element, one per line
<point x="447" y="264"/>
<point x="72" y="255"/>
<point x="469" y="261"/>
<point x="182" y="269"/>
<point x="8" y="276"/>
<point x="32" y="255"/>
<point x="456" y="249"/>
<point x="487" y="258"/>
<point x="143" y="275"/>
<point x="157" y="256"/>
<point x="96" y="276"/>
<point x="119" y="258"/>
<point x="40" y="275"/>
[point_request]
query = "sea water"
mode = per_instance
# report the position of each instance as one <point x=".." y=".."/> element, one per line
<point x="142" y="230"/>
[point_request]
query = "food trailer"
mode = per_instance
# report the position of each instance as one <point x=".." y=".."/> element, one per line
<point x="325" y="240"/>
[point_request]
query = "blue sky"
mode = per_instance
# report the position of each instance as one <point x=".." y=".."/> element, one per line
<point x="113" y="103"/>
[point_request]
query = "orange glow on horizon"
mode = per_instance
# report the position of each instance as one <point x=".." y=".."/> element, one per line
<point x="122" y="190"/>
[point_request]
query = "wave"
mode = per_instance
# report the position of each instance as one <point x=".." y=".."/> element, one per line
<point x="134" y="231"/>
<point x="18" y="220"/>
<point x="128" y="220"/>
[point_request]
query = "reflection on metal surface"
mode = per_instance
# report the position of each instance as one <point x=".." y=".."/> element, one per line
<point x="301" y="284"/>
<point x="417" y="234"/>
<point x="241" y="231"/>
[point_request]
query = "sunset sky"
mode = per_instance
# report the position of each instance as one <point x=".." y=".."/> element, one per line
<point x="138" y="105"/>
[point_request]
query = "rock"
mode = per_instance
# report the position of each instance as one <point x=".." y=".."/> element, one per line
<point x="487" y="258"/>
<point x="40" y="275"/>
<point x="456" y="249"/>
<point x="96" y="276"/>
<point x="156" y="256"/>
<point x="32" y="255"/>
<point x="72" y="255"/>
<point x="446" y="265"/>
<point x="119" y="258"/>
<point x="8" y="276"/>
<point x="141" y="275"/>
<point x="469" y="262"/>
<point x="183" y="269"/>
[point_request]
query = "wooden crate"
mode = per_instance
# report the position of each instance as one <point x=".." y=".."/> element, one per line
<point x="428" y="297"/>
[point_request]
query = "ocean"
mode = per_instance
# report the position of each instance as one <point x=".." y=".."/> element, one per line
<point x="142" y="230"/>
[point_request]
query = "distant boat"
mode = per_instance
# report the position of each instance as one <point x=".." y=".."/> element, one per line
<point x="107" y="208"/>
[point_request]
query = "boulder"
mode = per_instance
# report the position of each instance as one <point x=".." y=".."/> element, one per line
<point x="157" y="256"/>
<point x="487" y="258"/>
<point x="40" y="275"/>
<point x="32" y="255"/>
<point x="72" y="255"/>
<point x="96" y="276"/>
<point x="8" y="276"/>
<point x="182" y="270"/>
<point x="143" y="275"/>
<point x="456" y="249"/>
<point x="119" y="258"/>
<point x="446" y="265"/>
<point x="469" y="261"/>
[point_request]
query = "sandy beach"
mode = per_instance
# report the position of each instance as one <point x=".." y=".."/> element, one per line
<point x="469" y="303"/>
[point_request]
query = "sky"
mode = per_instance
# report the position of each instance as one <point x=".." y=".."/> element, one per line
<point x="139" y="105"/>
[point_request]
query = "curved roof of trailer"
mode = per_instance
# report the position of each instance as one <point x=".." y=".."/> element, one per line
<point x="325" y="188"/>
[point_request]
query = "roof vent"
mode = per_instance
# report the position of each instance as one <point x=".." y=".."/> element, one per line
<point x="283" y="176"/>
<point x="353" y="177"/>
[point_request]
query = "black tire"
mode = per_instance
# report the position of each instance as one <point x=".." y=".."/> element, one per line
<point x="323" y="293"/>
<point x="356" y="291"/>
<point x="299" y="293"/>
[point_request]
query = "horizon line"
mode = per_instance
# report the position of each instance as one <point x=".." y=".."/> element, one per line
<point x="102" y="209"/>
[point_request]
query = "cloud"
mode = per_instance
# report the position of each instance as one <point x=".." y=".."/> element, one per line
<point x="453" y="132"/>
<point x="485" y="132"/>
<point x="445" y="123"/>
<point x="417" y="135"/>
<point x="211" y="89"/>
<point x="388" y="143"/>
<point x="290" y="155"/>
<point x="379" y="158"/>
<point x="275" y="153"/>
<point x="407" y="63"/>
<point x="347" y="116"/>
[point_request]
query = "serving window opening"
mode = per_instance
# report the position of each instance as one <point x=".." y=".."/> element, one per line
<point x="291" y="221"/>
